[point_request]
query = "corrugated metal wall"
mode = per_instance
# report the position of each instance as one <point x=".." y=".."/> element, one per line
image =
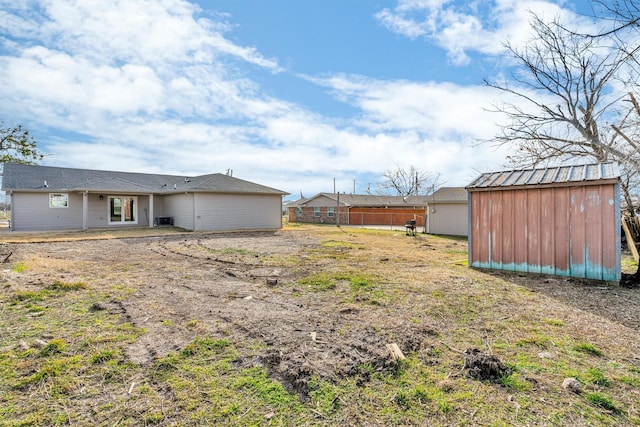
<point x="562" y="230"/>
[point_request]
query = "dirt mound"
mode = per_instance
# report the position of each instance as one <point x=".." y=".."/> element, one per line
<point x="484" y="367"/>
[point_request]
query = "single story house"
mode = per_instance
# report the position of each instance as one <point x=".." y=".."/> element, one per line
<point x="448" y="212"/>
<point x="359" y="209"/>
<point x="561" y="220"/>
<point x="54" y="198"/>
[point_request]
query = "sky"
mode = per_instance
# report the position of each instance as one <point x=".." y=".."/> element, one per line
<point x="305" y="96"/>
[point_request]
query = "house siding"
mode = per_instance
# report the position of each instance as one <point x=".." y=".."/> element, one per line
<point x="237" y="212"/>
<point x="212" y="201"/>
<point x="180" y="208"/>
<point x="448" y="219"/>
<point x="31" y="211"/>
<point x="98" y="212"/>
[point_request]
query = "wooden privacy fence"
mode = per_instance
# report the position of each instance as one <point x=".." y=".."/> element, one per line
<point x="631" y="227"/>
<point x="389" y="217"/>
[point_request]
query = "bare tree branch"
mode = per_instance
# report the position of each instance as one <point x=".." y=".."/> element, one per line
<point x="408" y="182"/>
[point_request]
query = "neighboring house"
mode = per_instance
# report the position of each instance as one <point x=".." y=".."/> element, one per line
<point x="448" y="212"/>
<point x="561" y="220"/>
<point x="53" y="198"/>
<point x="358" y="209"/>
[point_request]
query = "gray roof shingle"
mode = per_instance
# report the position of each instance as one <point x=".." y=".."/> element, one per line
<point x="368" y="200"/>
<point x="449" y="195"/>
<point x="19" y="177"/>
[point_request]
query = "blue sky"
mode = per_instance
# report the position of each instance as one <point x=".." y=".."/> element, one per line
<point x="304" y="96"/>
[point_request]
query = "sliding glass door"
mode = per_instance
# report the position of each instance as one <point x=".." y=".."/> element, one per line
<point x="123" y="210"/>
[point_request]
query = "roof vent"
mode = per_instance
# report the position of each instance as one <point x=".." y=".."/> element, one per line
<point x="45" y="185"/>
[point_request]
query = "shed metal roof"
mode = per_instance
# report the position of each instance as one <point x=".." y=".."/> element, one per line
<point x="546" y="176"/>
<point x="19" y="177"/>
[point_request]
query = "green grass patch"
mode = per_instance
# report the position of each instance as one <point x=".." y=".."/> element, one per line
<point x="26" y="296"/>
<point x="19" y="267"/>
<point x="597" y="377"/>
<point x="553" y="322"/>
<point x="587" y="348"/>
<point x="319" y="282"/>
<point x="601" y="401"/>
<point x="514" y="382"/>
<point x="536" y="340"/>
<point x="67" y="287"/>
<point x="341" y="245"/>
<point x="56" y="346"/>
<point x="104" y="356"/>
<point x="239" y="251"/>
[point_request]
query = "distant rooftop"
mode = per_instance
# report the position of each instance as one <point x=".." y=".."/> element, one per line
<point x="449" y="195"/>
<point x="550" y="175"/>
<point x="367" y="200"/>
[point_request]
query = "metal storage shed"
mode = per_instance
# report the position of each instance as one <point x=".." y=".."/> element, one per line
<point x="560" y="220"/>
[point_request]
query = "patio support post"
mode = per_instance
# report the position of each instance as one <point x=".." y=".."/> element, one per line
<point x="151" y="216"/>
<point x="85" y="210"/>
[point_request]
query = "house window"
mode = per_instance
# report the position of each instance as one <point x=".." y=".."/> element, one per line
<point x="330" y="212"/>
<point x="58" y="200"/>
<point x="299" y="212"/>
<point x="316" y="212"/>
<point x="123" y="210"/>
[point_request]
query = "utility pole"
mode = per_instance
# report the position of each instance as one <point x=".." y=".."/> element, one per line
<point x="338" y="210"/>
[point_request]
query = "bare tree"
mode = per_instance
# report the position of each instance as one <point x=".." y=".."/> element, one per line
<point x="408" y="182"/>
<point x="563" y="85"/>
<point x="574" y="99"/>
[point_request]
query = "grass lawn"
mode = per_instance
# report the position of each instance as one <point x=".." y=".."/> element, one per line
<point x="65" y="344"/>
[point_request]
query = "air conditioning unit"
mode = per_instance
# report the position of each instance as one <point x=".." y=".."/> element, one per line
<point x="164" y="220"/>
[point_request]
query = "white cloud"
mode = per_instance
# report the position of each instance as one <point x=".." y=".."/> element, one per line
<point x="150" y="86"/>
<point x="484" y="27"/>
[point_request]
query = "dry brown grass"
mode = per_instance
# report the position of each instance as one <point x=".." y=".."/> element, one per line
<point x="215" y="345"/>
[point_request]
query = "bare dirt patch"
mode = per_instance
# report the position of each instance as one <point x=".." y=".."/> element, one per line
<point x="238" y="286"/>
<point x="245" y="287"/>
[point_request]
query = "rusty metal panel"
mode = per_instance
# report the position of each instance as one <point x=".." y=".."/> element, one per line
<point x="547" y="231"/>
<point x="508" y="225"/>
<point x="520" y="231"/>
<point x="610" y="238"/>
<point x="593" y="232"/>
<point x="563" y="230"/>
<point x="496" y="229"/>
<point x="561" y="261"/>
<point x="484" y="228"/>
<point x="533" y="230"/>
<point x="577" y="236"/>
